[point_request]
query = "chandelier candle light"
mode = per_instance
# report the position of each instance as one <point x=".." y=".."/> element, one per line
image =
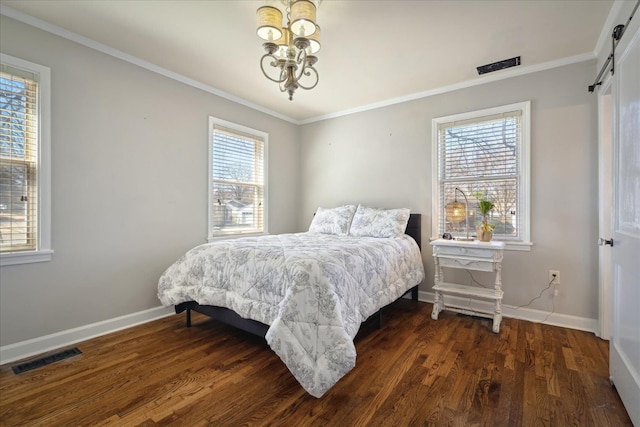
<point x="290" y="49"/>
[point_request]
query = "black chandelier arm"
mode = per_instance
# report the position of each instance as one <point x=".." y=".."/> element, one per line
<point x="275" y="63"/>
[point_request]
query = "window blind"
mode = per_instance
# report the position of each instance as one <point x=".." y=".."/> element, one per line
<point x="481" y="157"/>
<point x="237" y="182"/>
<point x="18" y="159"/>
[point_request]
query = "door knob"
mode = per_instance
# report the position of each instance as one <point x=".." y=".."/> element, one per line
<point x="603" y="242"/>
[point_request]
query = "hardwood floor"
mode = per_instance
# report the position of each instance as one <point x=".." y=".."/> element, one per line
<point x="413" y="371"/>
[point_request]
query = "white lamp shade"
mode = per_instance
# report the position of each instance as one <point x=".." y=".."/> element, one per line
<point x="269" y="23"/>
<point x="303" y="18"/>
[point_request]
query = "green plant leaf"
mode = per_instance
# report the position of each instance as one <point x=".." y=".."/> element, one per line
<point x="486" y="206"/>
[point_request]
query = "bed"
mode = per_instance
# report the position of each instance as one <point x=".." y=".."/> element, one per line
<point x="306" y="293"/>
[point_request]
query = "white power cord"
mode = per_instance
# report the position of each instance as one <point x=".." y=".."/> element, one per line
<point x="553" y="298"/>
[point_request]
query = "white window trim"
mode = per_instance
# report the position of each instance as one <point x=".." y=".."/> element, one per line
<point x="243" y="129"/>
<point x="44" y="252"/>
<point x="524" y="165"/>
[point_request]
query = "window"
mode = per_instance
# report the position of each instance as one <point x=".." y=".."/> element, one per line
<point x="237" y="191"/>
<point x="24" y="162"/>
<point x="485" y="154"/>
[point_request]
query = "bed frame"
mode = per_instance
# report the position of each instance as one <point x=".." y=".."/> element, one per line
<point x="230" y="317"/>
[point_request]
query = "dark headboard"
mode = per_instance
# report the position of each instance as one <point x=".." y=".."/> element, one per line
<point x="414" y="228"/>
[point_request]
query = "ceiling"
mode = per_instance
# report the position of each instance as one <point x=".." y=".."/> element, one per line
<point x="373" y="52"/>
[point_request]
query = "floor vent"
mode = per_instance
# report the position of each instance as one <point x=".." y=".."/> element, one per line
<point x="46" y="360"/>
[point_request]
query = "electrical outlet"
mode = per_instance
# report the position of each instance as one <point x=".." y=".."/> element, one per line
<point x="554" y="277"/>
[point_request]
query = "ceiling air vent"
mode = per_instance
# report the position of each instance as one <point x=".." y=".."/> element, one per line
<point x="500" y="65"/>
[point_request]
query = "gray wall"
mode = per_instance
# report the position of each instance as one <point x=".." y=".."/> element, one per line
<point x="129" y="185"/>
<point x="382" y="158"/>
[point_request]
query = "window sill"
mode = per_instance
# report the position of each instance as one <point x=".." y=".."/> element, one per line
<point x="235" y="236"/>
<point x="508" y="245"/>
<point x="14" y="258"/>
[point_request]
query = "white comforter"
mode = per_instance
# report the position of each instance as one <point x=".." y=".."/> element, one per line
<point x="313" y="290"/>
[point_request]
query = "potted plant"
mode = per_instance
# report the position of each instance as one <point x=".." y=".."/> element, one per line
<point x="485" y="230"/>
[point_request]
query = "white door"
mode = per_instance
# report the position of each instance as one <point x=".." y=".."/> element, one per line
<point x="625" y="253"/>
<point x="605" y="195"/>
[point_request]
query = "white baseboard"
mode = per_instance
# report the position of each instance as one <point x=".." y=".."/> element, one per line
<point x="20" y="350"/>
<point x="12" y="352"/>
<point x="556" y="319"/>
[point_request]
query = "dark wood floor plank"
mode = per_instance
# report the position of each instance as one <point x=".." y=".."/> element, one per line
<point x="412" y="371"/>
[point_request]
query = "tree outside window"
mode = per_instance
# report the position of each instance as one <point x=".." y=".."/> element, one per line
<point x="237" y="199"/>
<point x="485" y="155"/>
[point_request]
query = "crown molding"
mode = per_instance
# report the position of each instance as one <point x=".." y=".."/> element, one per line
<point x="500" y="75"/>
<point x="85" y="41"/>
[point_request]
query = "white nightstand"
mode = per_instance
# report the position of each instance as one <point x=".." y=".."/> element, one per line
<point x="476" y="255"/>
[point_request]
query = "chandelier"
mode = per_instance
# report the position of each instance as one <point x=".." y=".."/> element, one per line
<point x="291" y="48"/>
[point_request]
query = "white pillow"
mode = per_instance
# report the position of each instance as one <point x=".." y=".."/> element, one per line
<point x="374" y="222"/>
<point x="333" y="220"/>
